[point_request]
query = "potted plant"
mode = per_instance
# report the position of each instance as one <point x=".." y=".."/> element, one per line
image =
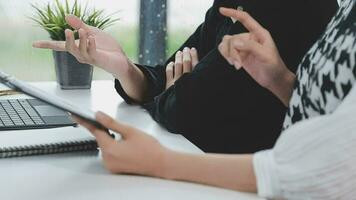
<point x="70" y="73"/>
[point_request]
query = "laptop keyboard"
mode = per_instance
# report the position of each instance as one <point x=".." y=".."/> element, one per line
<point x="18" y="113"/>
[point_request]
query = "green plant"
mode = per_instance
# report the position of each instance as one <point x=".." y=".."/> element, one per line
<point x="51" y="17"/>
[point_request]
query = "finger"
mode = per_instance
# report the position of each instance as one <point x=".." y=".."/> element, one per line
<point x="249" y="46"/>
<point x="124" y="130"/>
<point x="102" y="137"/>
<point x="187" y="60"/>
<point x="70" y="43"/>
<point x="178" y="65"/>
<point x="245" y="19"/>
<point x="194" y="56"/>
<point x="83" y="43"/>
<point x="92" y="47"/>
<point x="54" y="45"/>
<point x="169" y="71"/>
<point x="237" y="61"/>
<point x="224" y="48"/>
<point x="234" y="54"/>
<point x="76" y="23"/>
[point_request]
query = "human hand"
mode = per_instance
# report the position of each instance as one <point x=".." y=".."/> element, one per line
<point x="257" y="53"/>
<point x="135" y="153"/>
<point x="185" y="62"/>
<point x="95" y="47"/>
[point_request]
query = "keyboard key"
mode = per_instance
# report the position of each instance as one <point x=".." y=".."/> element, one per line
<point x="29" y="123"/>
<point x="5" y="118"/>
<point x="19" y="123"/>
<point x="8" y="123"/>
<point x="40" y="123"/>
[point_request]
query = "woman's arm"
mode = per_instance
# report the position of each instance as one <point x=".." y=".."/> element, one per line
<point x="226" y="171"/>
<point x="258" y="55"/>
<point x="139" y="153"/>
<point x="95" y="47"/>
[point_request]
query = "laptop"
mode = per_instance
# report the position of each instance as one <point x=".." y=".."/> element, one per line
<point x="22" y="114"/>
<point x="46" y="111"/>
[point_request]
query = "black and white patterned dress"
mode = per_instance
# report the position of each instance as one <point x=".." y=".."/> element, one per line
<point x="328" y="71"/>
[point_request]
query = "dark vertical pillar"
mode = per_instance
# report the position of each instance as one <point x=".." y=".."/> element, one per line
<point x="153" y="32"/>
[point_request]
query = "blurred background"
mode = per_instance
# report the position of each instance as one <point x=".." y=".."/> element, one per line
<point x="17" y="57"/>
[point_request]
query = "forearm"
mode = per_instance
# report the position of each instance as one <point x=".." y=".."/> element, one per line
<point x="133" y="82"/>
<point x="226" y="171"/>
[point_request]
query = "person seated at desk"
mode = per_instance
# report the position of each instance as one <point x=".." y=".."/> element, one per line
<point x="314" y="158"/>
<point x="214" y="106"/>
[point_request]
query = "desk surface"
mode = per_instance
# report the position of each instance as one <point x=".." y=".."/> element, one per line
<point x="82" y="176"/>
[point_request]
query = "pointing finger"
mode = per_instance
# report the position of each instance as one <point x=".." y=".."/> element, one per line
<point x="246" y="20"/>
<point x="54" y="45"/>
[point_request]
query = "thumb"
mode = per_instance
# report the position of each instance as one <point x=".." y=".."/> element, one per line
<point x="76" y="23"/>
<point x="124" y="130"/>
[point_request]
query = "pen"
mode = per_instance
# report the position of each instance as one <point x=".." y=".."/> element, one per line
<point x="240" y="8"/>
<point x="8" y="92"/>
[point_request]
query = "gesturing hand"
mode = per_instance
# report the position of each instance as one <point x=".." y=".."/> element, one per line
<point x="135" y="153"/>
<point x="185" y="62"/>
<point x="94" y="47"/>
<point x="257" y="53"/>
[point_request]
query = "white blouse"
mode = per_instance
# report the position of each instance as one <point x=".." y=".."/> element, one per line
<point x="314" y="159"/>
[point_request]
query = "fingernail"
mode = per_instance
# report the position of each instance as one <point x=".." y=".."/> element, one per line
<point x="193" y="49"/>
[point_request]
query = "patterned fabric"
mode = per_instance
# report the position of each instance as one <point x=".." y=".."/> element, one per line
<point x="328" y="71"/>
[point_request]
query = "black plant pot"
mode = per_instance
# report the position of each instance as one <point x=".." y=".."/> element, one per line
<point x="70" y="73"/>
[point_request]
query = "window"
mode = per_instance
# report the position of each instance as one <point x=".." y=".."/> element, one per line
<point x="17" y="56"/>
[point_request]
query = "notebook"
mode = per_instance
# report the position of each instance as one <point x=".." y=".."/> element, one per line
<point x="45" y="141"/>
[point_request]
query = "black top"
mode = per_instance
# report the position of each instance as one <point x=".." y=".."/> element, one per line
<point x="219" y="108"/>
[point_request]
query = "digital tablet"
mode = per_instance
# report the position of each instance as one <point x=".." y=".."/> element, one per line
<point x="52" y="100"/>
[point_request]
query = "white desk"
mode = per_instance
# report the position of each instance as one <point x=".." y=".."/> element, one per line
<point x="82" y="176"/>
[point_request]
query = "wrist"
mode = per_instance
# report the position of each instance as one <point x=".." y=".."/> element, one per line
<point x="124" y="69"/>
<point x="283" y="86"/>
<point x="165" y="169"/>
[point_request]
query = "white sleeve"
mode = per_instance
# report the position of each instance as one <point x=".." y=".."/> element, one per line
<point x="314" y="159"/>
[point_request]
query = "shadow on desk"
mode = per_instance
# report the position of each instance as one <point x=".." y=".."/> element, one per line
<point x="84" y="162"/>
